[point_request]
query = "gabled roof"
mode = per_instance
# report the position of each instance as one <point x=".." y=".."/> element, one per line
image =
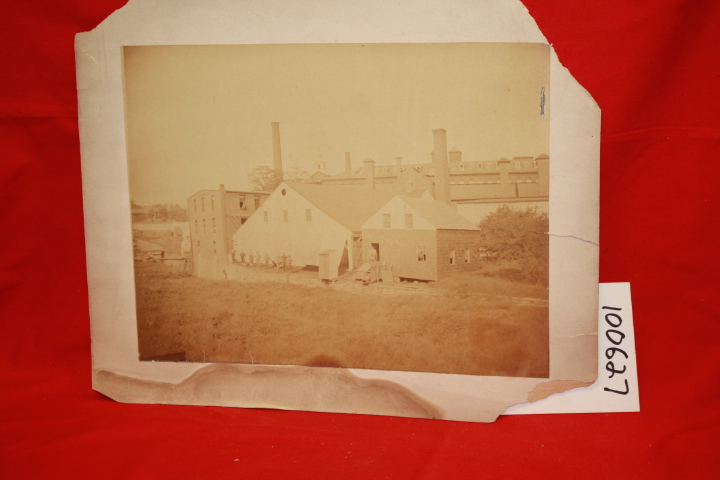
<point x="349" y="205"/>
<point x="319" y="174"/>
<point x="441" y="215"/>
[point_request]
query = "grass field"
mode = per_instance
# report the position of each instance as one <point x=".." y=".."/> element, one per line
<point x="473" y="329"/>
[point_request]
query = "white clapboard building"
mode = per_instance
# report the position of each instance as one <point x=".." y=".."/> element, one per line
<point x="305" y="220"/>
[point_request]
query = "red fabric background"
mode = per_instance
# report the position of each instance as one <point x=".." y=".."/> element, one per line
<point x="654" y="68"/>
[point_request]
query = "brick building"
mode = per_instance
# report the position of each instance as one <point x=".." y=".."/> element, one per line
<point x="475" y="187"/>
<point x="214" y="216"/>
<point x="421" y="239"/>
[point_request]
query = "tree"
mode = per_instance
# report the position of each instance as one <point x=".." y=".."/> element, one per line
<point x="518" y="236"/>
<point x="296" y="174"/>
<point x="158" y="212"/>
<point x="263" y="177"/>
<point x="177" y="213"/>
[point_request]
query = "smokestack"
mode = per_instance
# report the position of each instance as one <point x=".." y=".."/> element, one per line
<point x="348" y="165"/>
<point x="440" y="163"/>
<point x="369" y="173"/>
<point x="277" y="155"/>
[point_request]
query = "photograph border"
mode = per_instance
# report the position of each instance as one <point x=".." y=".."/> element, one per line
<point x="574" y="209"/>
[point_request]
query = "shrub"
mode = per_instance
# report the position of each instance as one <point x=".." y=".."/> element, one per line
<point x="518" y="236"/>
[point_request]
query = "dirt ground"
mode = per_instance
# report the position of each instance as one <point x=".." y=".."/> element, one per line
<point x="475" y="327"/>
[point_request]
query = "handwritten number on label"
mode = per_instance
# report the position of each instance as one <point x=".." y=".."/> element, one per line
<point x="610" y="352"/>
<point x="615" y="337"/>
<point x="619" y="320"/>
<point x="610" y="367"/>
<point x="619" y="338"/>
<point x="627" y="389"/>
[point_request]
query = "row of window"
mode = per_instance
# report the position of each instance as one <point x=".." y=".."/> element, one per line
<point x="204" y="225"/>
<point x="493" y="165"/>
<point x="494" y="181"/>
<point x="241" y="203"/>
<point x="422" y="257"/>
<point x="213" y="244"/>
<point x="387" y="220"/>
<point x="202" y="204"/>
<point x="391" y="170"/>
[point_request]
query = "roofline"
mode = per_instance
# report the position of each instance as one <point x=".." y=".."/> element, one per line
<point x="231" y="191"/>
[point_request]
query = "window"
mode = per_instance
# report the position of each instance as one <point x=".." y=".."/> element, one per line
<point x="479" y="166"/>
<point x="421" y="254"/>
<point x="198" y="243"/>
<point x="212" y="202"/>
<point x="214" y="249"/>
<point x="196" y="226"/>
<point x="517" y="164"/>
<point x="386" y="220"/>
<point x="214" y="229"/>
<point x="204" y="225"/>
<point x="265" y="216"/>
<point x="408" y="220"/>
<point x="535" y="163"/>
<point x="308" y="214"/>
<point x="257" y="203"/>
<point x="203" y="203"/>
<point x="467" y="256"/>
<point x="285" y="216"/>
<point x="195" y="203"/>
<point x="409" y="187"/>
<point x="452" y="257"/>
<point x="462" y="166"/>
<point x="241" y="201"/>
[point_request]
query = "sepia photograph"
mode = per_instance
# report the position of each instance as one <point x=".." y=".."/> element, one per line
<point x="363" y="206"/>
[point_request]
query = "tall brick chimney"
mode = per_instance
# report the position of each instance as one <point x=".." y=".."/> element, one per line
<point x="369" y="173"/>
<point x="348" y="164"/>
<point x="440" y="164"/>
<point x="277" y="155"/>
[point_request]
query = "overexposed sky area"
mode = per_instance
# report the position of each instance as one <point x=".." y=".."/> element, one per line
<point x="198" y="116"/>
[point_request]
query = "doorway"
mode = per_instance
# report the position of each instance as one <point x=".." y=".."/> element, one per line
<point x="376" y="249"/>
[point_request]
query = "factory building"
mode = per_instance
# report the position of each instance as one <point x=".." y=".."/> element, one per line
<point x="417" y="219"/>
<point x="214" y="216"/>
<point x="304" y="220"/>
<point x="475" y="187"/>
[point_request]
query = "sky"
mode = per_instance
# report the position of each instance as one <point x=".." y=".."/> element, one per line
<point x="199" y="116"/>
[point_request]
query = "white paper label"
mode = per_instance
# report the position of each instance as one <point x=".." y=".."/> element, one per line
<point x="616" y="389"/>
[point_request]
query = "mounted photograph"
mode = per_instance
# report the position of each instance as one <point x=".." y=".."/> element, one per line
<point x="358" y="206"/>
